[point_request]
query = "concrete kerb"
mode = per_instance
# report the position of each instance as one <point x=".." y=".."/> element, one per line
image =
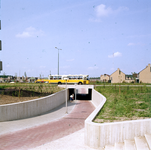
<point x="98" y="135"/>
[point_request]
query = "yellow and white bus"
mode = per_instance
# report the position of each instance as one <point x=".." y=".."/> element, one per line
<point x="62" y="79"/>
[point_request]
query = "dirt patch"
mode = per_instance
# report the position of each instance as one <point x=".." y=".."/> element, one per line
<point x="139" y="109"/>
<point x="6" y="99"/>
<point x="14" y="96"/>
<point x="139" y="102"/>
<point x="134" y="98"/>
<point x="119" y="119"/>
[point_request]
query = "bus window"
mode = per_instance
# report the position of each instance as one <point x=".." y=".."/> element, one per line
<point x="59" y="77"/>
<point x="69" y="77"/>
<point x="51" y="77"/>
<point x="80" y="77"/>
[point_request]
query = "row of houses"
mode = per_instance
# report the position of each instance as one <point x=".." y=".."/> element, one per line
<point x="144" y="76"/>
<point x="9" y="78"/>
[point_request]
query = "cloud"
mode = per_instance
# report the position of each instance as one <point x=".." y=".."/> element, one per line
<point x="135" y="44"/>
<point x="70" y="60"/>
<point x="30" y="32"/>
<point x="131" y="44"/>
<point x="116" y="54"/>
<point x="104" y="11"/>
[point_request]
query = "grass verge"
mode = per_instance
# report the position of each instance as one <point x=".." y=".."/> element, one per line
<point x="12" y="93"/>
<point x="124" y="103"/>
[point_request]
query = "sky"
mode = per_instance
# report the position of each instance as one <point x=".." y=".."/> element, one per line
<point x="96" y="36"/>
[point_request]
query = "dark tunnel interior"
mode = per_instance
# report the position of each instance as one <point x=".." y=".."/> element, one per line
<point x="81" y="96"/>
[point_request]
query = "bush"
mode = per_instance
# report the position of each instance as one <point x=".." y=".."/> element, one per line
<point x="97" y="82"/>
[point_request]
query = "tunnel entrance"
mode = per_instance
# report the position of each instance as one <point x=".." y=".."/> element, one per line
<point x="81" y="96"/>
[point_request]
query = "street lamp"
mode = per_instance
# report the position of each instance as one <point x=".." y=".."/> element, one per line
<point x="58" y="58"/>
<point x="66" y="96"/>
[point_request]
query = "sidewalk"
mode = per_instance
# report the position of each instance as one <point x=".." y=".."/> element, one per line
<point x="48" y="129"/>
<point x="74" y="141"/>
<point x="55" y="114"/>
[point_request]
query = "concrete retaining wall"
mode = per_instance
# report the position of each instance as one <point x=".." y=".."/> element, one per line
<point x="31" y="108"/>
<point x="101" y="134"/>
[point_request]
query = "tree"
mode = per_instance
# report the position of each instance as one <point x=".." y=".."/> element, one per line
<point x="25" y="74"/>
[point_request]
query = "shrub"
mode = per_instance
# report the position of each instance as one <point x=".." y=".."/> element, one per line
<point x="124" y="81"/>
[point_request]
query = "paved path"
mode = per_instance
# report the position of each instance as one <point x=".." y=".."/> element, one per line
<point x="36" y="136"/>
<point x="8" y="127"/>
<point x="74" y="141"/>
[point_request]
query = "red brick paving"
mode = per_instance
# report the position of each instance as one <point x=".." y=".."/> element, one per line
<point x="40" y="135"/>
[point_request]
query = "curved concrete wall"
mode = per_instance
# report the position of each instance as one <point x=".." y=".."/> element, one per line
<point x="31" y="108"/>
<point x="101" y="134"/>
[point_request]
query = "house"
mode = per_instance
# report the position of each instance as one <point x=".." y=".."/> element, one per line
<point x="117" y="77"/>
<point x="145" y="75"/>
<point x="130" y="78"/>
<point x="105" y="78"/>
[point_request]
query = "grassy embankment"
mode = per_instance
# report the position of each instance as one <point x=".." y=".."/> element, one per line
<point x="124" y="103"/>
<point x="35" y="87"/>
<point x="18" y="92"/>
<point x="106" y="83"/>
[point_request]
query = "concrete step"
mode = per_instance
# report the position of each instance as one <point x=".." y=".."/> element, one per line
<point x="148" y="139"/>
<point x="129" y="145"/>
<point x="141" y="143"/>
<point x="119" y="146"/>
<point x="109" y="147"/>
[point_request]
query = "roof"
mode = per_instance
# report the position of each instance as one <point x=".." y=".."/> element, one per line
<point x="144" y="68"/>
<point x="106" y="75"/>
<point x="116" y="70"/>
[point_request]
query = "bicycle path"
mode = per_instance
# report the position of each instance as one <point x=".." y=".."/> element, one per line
<point x="51" y="131"/>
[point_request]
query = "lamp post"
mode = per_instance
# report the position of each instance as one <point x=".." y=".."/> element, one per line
<point x="75" y="91"/>
<point x="66" y="96"/>
<point x="58" y="58"/>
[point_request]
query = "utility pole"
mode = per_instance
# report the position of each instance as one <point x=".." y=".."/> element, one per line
<point x="58" y="58"/>
<point x="0" y="49"/>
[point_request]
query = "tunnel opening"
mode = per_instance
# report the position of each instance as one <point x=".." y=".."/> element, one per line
<point x="81" y="96"/>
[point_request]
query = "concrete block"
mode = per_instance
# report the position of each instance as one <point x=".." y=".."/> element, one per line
<point x="129" y="145"/>
<point x="141" y="143"/>
<point x="119" y="146"/>
<point x="148" y="139"/>
<point x="109" y="147"/>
